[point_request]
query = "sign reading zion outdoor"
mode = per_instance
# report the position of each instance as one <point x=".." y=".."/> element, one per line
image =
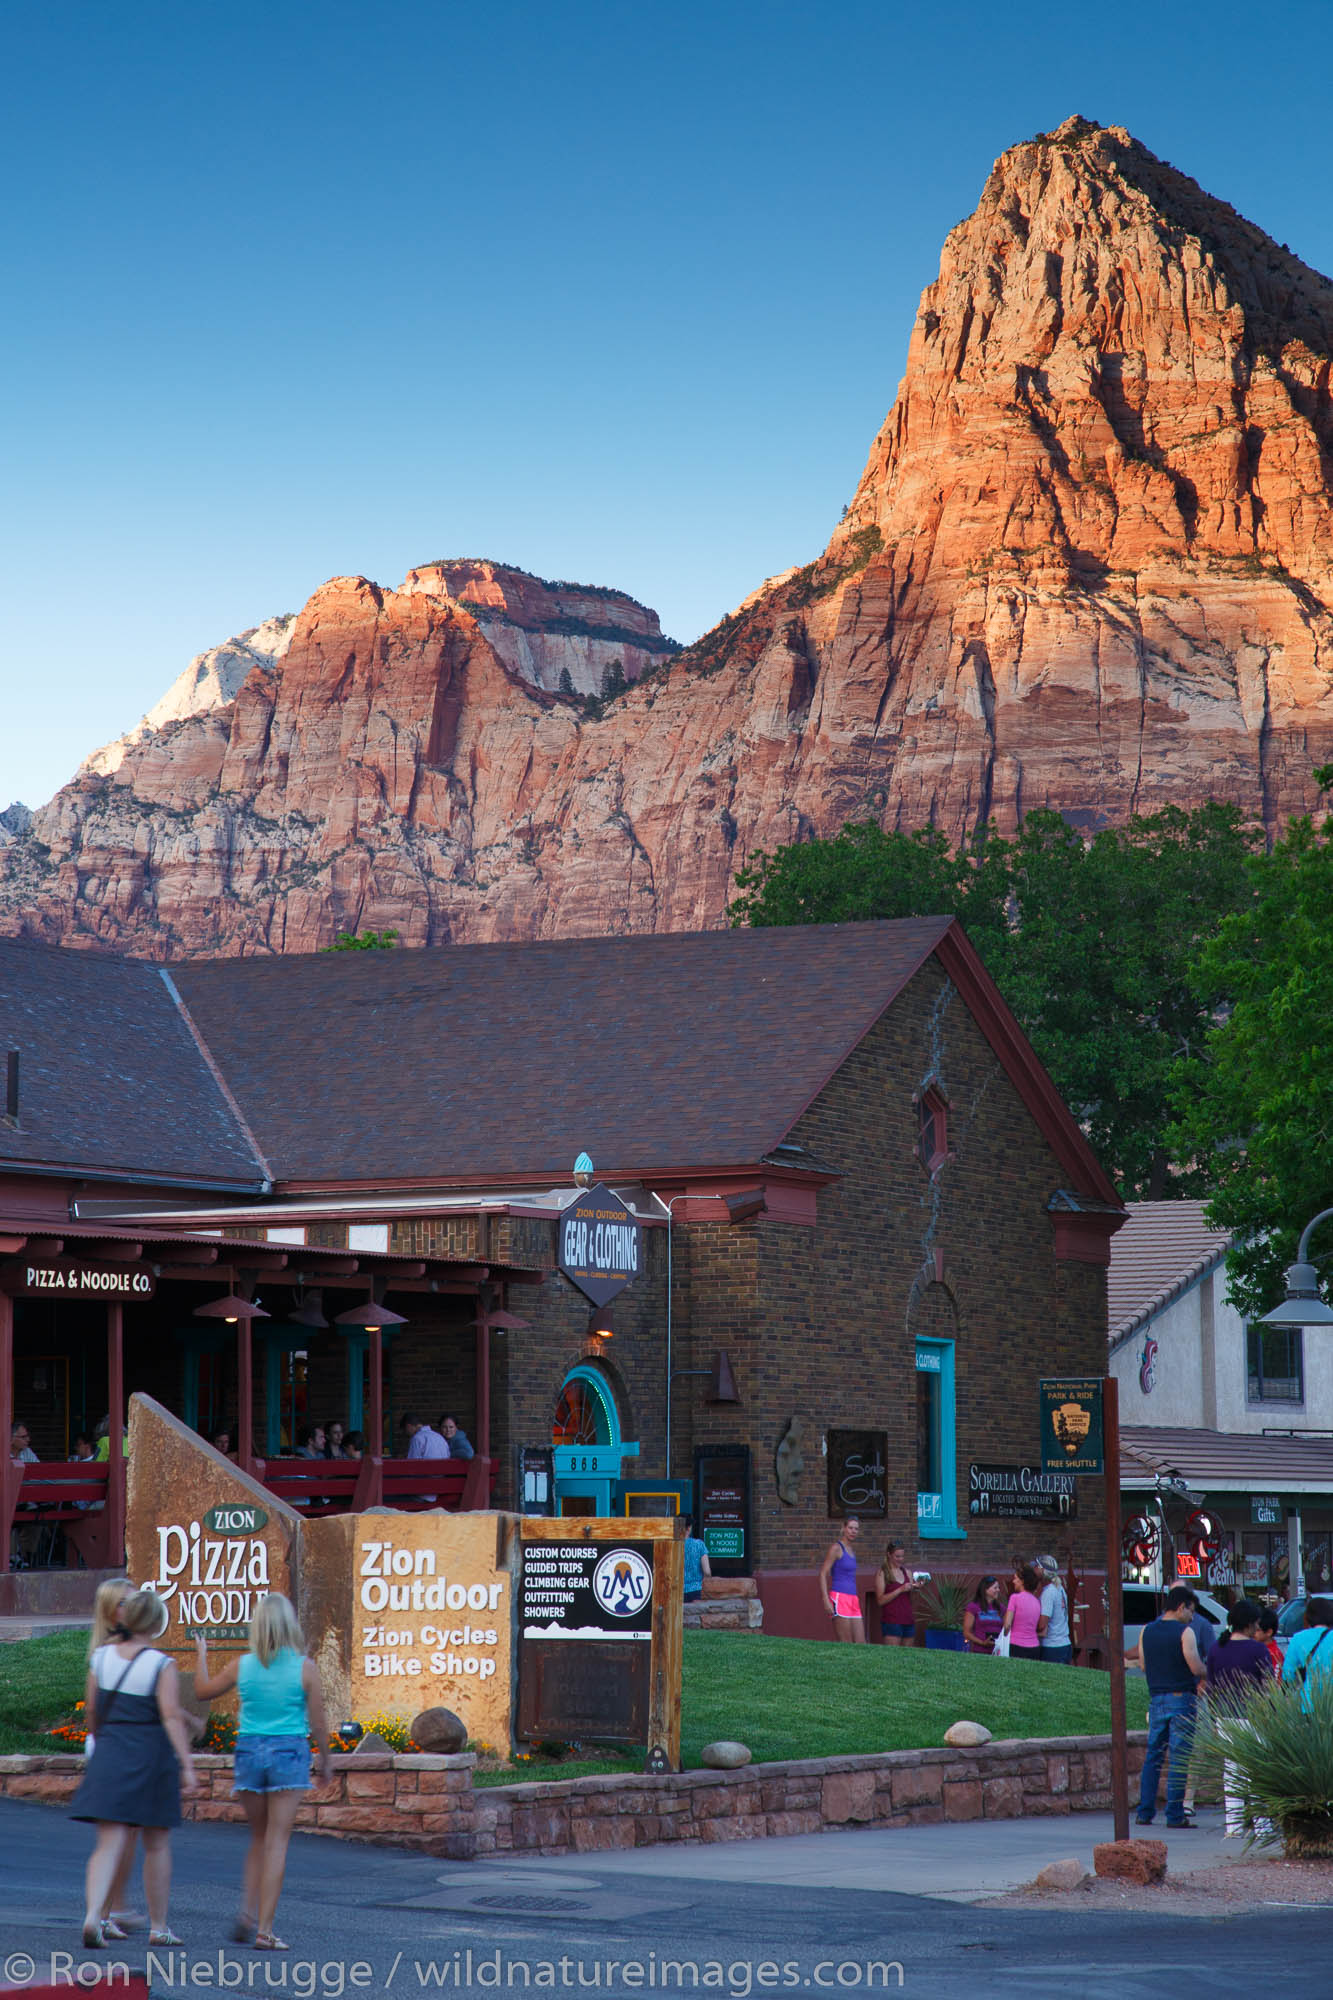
<point x="585" y="1590"/>
<point x="599" y="1244"/>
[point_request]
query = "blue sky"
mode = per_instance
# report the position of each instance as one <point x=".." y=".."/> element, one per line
<point x="620" y="294"/>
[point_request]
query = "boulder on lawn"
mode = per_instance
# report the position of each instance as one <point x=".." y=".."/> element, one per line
<point x="967" y="1735"/>
<point x="1060" y="1875"/>
<point x="439" y="1731"/>
<point x="724" y="1756"/>
<point x="1140" y="1861"/>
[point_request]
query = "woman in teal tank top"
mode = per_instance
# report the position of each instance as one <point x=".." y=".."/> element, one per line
<point x="282" y="1704"/>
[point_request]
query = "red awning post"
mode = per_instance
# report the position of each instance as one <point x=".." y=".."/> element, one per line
<point x="245" y="1396"/>
<point x="483" y="1441"/>
<point x="375" y="1440"/>
<point x="8" y="1480"/>
<point x="115" y="1448"/>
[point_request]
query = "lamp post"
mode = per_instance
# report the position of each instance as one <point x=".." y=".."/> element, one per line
<point x="1302" y="1305"/>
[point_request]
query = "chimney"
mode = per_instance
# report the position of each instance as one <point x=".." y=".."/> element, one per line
<point x="12" y="1086"/>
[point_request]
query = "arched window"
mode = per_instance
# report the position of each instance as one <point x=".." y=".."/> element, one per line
<point x="585" y="1412"/>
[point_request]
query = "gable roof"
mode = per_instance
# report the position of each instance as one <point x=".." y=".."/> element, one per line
<point x="500" y="1061"/>
<point x="112" y="1080"/>
<point x="1162" y="1249"/>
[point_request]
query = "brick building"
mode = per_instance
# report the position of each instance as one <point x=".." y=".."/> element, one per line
<point x="855" y="1185"/>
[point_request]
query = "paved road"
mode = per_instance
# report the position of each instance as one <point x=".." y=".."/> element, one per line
<point x="788" y="1915"/>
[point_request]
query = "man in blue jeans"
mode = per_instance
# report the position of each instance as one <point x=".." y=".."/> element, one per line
<point x="1169" y="1655"/>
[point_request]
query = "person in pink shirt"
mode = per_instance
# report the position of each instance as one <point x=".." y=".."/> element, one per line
<point x="1022" y="1612"/>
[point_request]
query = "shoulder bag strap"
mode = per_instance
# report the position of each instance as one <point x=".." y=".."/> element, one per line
<point x="1304" y="1668"/>
<point x="106" y="1696"/>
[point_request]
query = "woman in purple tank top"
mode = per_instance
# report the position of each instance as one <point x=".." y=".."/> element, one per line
<point x="837" y="1581"/>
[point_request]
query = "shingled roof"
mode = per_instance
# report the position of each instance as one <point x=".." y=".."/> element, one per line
<point x="507" y="1060"/>
<point x="1163" y="1247"/>
<point x="112" y="1080"/>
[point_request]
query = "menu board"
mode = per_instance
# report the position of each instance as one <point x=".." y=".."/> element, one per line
<point x="722" y="1507"/>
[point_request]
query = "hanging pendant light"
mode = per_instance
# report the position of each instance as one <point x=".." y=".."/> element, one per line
<point x="231" y="1308"/>
<point x="369" y="1316"/>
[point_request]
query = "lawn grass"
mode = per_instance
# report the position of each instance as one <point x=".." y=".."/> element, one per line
<point x="784" y="1697"/>
<point x="40" y="1681"/>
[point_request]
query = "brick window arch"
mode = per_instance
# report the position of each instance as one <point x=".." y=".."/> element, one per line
<point x="932" y="1144"/>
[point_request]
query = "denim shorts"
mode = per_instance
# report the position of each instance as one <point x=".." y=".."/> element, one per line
<point x="271" y="1764"/>
<point x="889" y="1631"/>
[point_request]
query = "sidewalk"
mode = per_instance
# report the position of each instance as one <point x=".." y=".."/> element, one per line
<point x="952" y="1863"/>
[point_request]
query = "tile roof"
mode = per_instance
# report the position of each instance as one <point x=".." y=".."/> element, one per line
<point x="1162" y="1248"/>
<point x="1209" y="1460"/>
<point x="111" y="1078"/>
<point x="651" y="1052"/>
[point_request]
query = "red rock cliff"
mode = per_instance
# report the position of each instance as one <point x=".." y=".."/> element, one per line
<point x="1089" y="565"/>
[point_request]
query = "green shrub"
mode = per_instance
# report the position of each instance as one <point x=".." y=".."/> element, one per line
<point x="1277" y="1744"/>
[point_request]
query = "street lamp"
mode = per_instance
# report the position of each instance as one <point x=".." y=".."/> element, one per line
<point x="1303" y="1306"/>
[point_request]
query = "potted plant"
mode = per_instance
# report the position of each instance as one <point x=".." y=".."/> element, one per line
<point x="942" y="1601"/>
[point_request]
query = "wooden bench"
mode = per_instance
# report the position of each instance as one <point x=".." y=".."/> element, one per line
<point x="69" y="1494"/>
<point x="316" y="1486"/>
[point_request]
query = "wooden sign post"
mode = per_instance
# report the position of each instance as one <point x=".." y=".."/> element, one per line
<point x="599" y="1633"/>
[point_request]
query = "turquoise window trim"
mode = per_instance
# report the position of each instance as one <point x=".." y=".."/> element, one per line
<point x="945" y="1528"/>
<point x="594" y="1379"/>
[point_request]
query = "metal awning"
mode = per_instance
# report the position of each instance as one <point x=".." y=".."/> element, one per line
<point x="1227" y="1461"/>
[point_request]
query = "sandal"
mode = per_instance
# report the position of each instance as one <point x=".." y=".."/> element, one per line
<point x="113" y="1931"/>
<point x="164" y="1938"/>
<point x="265" y="1941"/>
<point x="94" y="1937"/>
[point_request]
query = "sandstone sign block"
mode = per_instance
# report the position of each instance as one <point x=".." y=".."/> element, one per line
<point x="1139" y="1861"/>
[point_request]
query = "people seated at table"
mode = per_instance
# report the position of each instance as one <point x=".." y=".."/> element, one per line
<point x="354" y="1445"/>
<point x="334" y="1440"/>
<point x="422" y="1441"/>
<point x="221" y="1441"/>
<point x="103" y="1436"/>
<point x="310" y="1441"/>
<point x="83" y="1448"/>
<point x="455" y="1439"/>
<point x="23" y="1540"/>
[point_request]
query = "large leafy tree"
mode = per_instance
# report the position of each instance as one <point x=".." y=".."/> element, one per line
<point x="1090" y="941"/>
<point x="1254" y="1106"/>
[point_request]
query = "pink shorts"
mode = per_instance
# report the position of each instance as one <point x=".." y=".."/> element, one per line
<point x="844" y="1604"/>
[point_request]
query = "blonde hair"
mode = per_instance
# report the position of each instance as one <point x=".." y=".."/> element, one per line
<point x="274" y="1629"/>
<point x="106" y="1610"/>
<point x="144" y="1615"/>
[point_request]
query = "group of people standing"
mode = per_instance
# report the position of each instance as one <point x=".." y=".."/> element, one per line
<point x="1031" y="1622"/>
<point x="1183" y="1661"/>
<point x="140" y="1760"/>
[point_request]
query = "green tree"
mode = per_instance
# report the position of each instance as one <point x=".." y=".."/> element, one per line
<point x="1090" y="942"/>
<point x="566" y="684"/>
<point x="613" y="680"/>
<point x="1254" y="1106"/>
<point x="363" y="941"/>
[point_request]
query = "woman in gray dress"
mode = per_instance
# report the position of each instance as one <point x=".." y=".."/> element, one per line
<point x="140" y="1763"/>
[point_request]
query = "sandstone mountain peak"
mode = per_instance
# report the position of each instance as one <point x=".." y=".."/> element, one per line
<point x="1089" y="565"/>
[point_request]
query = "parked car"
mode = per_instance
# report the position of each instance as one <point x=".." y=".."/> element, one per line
<point x="1141" y="1606"/>
<point x="1291" y="1620"/>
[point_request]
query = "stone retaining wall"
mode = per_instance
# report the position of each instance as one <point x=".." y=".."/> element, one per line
<point x="432" y="1804"/>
